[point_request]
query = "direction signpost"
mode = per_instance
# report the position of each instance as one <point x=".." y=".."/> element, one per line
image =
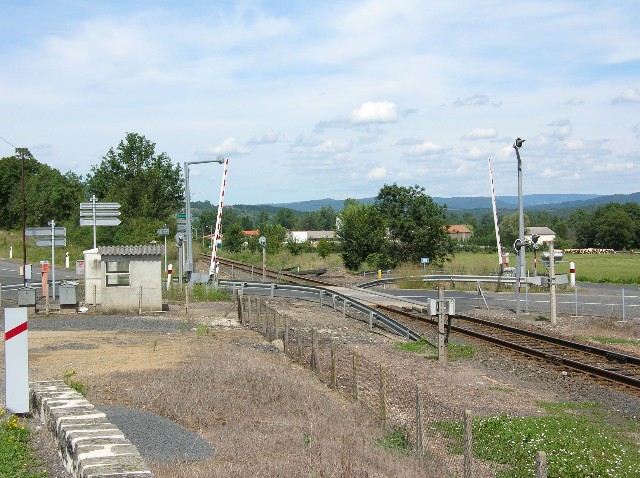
<point x="50" y="237"/>
<point x="96" y="213"/>
<point x="164" y="232"/>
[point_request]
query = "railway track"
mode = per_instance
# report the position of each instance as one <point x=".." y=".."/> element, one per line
<point x="608" y="365"/>
<point x="600" y="363"/>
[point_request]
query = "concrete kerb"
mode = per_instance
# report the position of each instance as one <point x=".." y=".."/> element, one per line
<point x="89" y="445"/>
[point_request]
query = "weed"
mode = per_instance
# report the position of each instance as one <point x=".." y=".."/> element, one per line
<point x="577" y="440"/>
<point x="77" y="385"/>
<point x="396" y="441"/>
<point x="202" y="330"/>
<point x="16" y="459"/>
<point x="306" y="438"/>
<point x="612" y="340"/>
<point x="155" y="345"/>
<point x="419" y="346"/>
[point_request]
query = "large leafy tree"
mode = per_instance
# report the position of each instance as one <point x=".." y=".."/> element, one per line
<point x="48" y="193"/>
<point x="146" y="184"/>
<point x="361" y="231"/>
<point x="417" y="226"/>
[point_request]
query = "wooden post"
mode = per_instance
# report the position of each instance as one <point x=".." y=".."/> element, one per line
<point x="334" y="378"/>
<point x="95" y="299"/>
<point x="541" y="464"/>
<point x="276" y="326"/>
<point x="383" y="395"/>
<point x="140" y="301"/>
<point x="299" y="337"/>
<point x="370" y="321"/>
<point x="468" y="443"/>
<point x="242" y="314"/>
<point x="286" y="334"/>
<point x="314" y="351"/>
<point x="344" y="308"/>
<point x="186" y="301"/>
<point x="354" y="377"/>
<point x="419" y="429"/>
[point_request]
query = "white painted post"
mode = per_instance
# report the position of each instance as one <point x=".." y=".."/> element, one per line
<point x="16" y="352"/>
<point x="169" y="272"/>
<point x="66" y="260"/>
<point x="572" y="274"/>
<point x="10" y="252"/>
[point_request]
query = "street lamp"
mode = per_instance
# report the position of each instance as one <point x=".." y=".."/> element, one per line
<point x="520" y="253"/>
<point x="187" y="200"/>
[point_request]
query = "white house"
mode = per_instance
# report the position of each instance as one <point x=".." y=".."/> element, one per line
<point x="124" y="278"/>
<point x="546" y="234"/>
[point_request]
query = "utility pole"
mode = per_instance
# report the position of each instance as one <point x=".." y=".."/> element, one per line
<point x="24" y="225"/>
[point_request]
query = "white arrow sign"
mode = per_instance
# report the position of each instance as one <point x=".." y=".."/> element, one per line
<point x="99" y="205"/>
<point x="44" y="231"/>
<point x="109" y="213"/>
<point x="59" y="242"/>
<point x="99" y="221"/>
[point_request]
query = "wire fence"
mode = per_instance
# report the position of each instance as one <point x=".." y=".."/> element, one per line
<point x="405" y="408"/>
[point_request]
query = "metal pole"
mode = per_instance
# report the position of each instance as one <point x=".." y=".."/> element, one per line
<point x="520" y="258"/>
<point x="552" y="280"/>
<point x="264" y="263"/>
<point x="165" y="252"/>
<point x="24" y="225"/>
<point x="624" y="318"/>
<point x="93" y="203"/>
<point x="53" y="260"/>
<point x="187" y="202"/>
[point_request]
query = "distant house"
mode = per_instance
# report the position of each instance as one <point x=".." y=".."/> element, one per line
<point x="124" y="278"/>
<point x="313" y="237"/>
<point x="254" y="233"/>
<point x="546" y="234"/>
<point x="459" y="232"/>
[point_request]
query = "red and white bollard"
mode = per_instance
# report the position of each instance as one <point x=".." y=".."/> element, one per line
<point x="16" y="361"/>
<point x="169" y="272"/>
<point x="572" y="274"/>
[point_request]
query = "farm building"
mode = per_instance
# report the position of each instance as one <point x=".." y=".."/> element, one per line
<point x="459" y="232"/>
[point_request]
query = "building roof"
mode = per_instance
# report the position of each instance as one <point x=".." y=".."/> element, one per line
<point x="145" y="250"/>
<point x="321" y="234"/>
<point x="540" y="230"/>
<point x="458" y="229"/>
<point x="251" y="233"/>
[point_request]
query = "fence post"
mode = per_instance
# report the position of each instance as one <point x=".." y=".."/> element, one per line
<point x="344" y="307"/>
<point x="383" y="395"/>
<point x="286" y="334"/>
<point x="276" y="326"/>
<point x="334" y="377"/>
<point x="419" y="430"/>
<point x="140" y="301"/>
<point x="299" y="337"/>
<point x="321" y="294"/>
<point x="95" y="300"/>
<point x="576" y="296"/>
<point x="314" y="351"/>
<point x="624" y="317"/>
<point x="273" y="286"/>
<point x="186" y="303"/>
<point x="468" y="443"/>
<point x="370" y="321"/>
<point x="541" y="464"/>
<point x="354" y="376"/>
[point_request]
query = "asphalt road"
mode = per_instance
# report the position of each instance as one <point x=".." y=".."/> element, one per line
<point x="11" y="279"/>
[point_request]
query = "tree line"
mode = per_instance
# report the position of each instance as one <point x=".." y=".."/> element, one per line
<point x="404" y="224"/>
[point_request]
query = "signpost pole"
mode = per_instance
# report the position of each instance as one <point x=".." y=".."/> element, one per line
<point x="53" y="260"/>
<point x="93" y="201"/>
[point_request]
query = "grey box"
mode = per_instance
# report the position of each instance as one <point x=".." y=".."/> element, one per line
<point x="26" y="296"/>
<point x="68" y="295"/>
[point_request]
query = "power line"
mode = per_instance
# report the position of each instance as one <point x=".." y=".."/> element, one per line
<point x="14" y="147"/>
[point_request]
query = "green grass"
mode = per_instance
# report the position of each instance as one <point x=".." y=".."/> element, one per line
<point x="578" y="439"/>
<point x="16" y="459"/>
<point x="455" y="351"/>
<point x="612" y="340"/>
<point x="396" y="441"/>
<point x="77" y="385"/>
<point x="197" y="293"/>
<point x="598" y="268"/>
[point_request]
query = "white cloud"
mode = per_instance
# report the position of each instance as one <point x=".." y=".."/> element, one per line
<point x="426" y="148"/>
<point x="550" y="173"/>
<point x="229" y="146"/>
<point x="377" y="173"/>
<point x="613" y="167"/>
<point x="481" y="133"/>
<point x="375" y="112"/>
<point x="630" y="95"/>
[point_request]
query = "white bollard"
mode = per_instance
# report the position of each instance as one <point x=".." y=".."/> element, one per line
<point x="10" y="252"/>
<point x="572" y="274"/>
<point x="66" y="260"/>
<point x="16" y="353"/>
<point x="169" y="272"/>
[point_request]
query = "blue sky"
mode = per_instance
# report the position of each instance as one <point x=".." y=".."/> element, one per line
<point x="332" y="99"/>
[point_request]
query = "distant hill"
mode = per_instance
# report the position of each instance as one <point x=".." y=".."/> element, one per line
<point x="532" y="201"/>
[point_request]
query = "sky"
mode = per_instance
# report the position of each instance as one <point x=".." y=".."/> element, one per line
<point x="332" y="99"/>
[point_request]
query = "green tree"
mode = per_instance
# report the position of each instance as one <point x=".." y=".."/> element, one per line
<point x="274" y="234"/>
<point x="324" y="248"/>
<point x="361" y="232"/>
<point x="286" y="218"/>
<point x="417" y="225"/>
<point x="614" y="228"/>
<point x="232" y="238"/>
<point x="146" y="184"/>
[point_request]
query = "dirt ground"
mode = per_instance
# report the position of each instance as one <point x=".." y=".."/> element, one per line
<point x="477" y="384"/>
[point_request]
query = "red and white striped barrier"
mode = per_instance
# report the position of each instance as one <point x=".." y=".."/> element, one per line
<point x="572" y="274"/>
<point x="16" y="360"/>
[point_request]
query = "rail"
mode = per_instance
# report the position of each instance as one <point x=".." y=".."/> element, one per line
<point x="560" y="279"/>
<point x="295" y="290"/>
